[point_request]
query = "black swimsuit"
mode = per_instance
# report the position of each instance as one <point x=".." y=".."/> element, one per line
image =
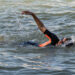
<point x="53" y="37"/>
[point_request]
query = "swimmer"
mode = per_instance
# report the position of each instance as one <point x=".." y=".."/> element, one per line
<point x="52" y="38"/>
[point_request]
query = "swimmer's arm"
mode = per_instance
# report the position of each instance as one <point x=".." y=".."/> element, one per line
<point x="39" y="23"/>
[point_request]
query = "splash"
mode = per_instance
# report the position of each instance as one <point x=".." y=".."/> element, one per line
<point x="73" y="38"/>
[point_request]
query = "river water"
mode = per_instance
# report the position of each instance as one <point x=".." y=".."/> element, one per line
<point x="57" y="15"/>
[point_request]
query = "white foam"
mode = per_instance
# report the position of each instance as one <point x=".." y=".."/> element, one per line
<point x="73" y="38"/>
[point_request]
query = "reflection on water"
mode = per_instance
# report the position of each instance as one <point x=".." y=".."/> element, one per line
<point x="57" y="15"/>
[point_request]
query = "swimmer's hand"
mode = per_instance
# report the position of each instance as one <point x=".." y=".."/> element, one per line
<point x="27" y="12"/>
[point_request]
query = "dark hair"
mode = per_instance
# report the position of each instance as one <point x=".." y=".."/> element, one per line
<point x="69" y="44"/>
<point x="68" y="39"/>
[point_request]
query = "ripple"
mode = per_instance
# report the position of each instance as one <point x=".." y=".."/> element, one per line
<point x="58" y="17"/>
<point x="10" y="68"/>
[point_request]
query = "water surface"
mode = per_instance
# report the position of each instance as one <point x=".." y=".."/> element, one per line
<point x="57" y="15"/>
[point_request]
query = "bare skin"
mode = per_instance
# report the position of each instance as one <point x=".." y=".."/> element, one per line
<point x="41" y="25"/>
<point x="61" y="41"/>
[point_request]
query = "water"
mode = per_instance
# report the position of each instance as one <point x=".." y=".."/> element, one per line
<point x="57" y="15"/>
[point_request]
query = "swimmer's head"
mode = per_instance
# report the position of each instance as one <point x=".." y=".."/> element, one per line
<point x="69" y="42"/>
<point x="66" y="41"/>
<point x="63" y="40"/>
